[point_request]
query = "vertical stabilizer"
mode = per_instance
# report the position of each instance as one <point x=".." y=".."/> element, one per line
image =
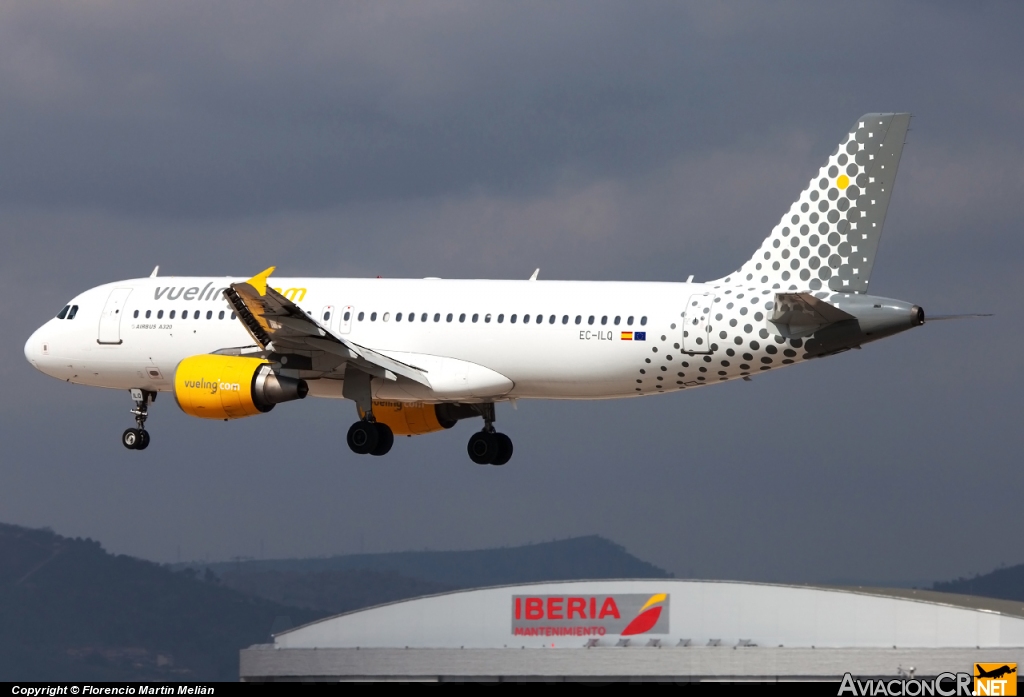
<point x="829" y="237"/>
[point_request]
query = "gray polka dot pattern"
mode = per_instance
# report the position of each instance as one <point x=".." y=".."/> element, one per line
<point x="824" y="245"/>
<point x="830" y="235"/>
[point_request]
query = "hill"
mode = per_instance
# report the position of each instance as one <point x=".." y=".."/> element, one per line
<point x="344" y="583"/>
<point x="1007" y="583"/>
<point x="590" y="557"/>
<point x="71" y="611"/>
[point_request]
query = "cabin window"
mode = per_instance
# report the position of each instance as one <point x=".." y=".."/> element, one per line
<point x="512" y="319"/>
<point x="361" y="315"/>
<point x="234" y="316"/>
<point x="412" y="316"/>
<point x="347" y="316"/>
<point x="148" y="313"/>
<point x="437" y="316"/>
<point x="448" y="317"/>
<point x="526" y="319"/>
<point x="209" y="314"/>
<point x="643" y="320"/>
<point x="565" y="319"/>
<point x="65" y="311"/>
<point x="159" y="314"/>
<point x="327" y="315"/>
<point x="501" y="318"/>
<point x="195" y="315"/>
<point x="590" y="320"/>
<point x="220" y="315"/>
<point x="373" y="316"/>
<point x="604" y="320"/>
<point x="617" y="320"/>
<point x="170" y="315"/>
<point x="423" y="317"/>
<point x="475" y="317"/>
<point x="386" y="317"/>
<point x="398" y="317"/>
<point x="579" y="319"/>
<point x="551" y="320"/>
<point x="462" y="317"/>
<point x="629" y="320"/>
<point x="487" y="318"/>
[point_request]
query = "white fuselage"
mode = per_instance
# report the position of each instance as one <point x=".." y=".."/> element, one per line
<point x="476" y="339"/>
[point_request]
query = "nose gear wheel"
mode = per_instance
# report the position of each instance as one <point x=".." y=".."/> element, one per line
<point x="138" y="438"/>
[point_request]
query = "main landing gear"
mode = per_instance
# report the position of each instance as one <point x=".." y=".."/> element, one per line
<point x="488" y="447"/>
<point x="370" y="438"/>
<point x="138" y="438"/>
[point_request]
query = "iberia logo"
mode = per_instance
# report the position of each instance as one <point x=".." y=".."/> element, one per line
<point x="648" y="616"/>
<point x="626" y="614"/>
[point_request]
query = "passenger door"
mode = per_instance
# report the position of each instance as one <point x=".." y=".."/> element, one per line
<point x="110" y="319"/>
<point x="697" y="323"/>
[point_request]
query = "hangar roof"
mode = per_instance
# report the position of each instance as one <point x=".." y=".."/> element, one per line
<point x="672" y="612"/>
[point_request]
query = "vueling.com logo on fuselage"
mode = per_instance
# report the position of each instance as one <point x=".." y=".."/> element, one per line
<point x="213" y="386"/>
<point x="625" y="614"/>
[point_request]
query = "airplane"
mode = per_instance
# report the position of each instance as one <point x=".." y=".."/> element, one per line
<point x="418" y="355"/>
<point x="995" y="672"/>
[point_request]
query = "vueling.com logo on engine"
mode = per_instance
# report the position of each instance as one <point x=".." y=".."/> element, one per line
<point x="590" y="615"/>
<point x="213" y="386"/>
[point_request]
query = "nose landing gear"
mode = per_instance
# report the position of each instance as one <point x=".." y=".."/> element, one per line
<point x="138" y="438"/>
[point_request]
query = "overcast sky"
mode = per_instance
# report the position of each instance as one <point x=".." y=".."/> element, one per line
<point x="625" y="141"/>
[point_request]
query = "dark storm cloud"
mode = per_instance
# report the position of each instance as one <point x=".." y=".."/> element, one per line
<point x="611" y="141"/>
<point x="194" y="109"/>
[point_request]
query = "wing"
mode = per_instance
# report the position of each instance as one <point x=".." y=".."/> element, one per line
<point x="280" y="326"/>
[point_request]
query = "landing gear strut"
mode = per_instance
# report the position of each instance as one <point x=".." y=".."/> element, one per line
<point x="488" y="447"/>
<point x="138" y="438"/>
<point x="365" y="437"/>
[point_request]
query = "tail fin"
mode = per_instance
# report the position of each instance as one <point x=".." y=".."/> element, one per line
<point x="829" y="237"/>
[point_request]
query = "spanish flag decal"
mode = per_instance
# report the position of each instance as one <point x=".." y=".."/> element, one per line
<point x="627" y="336"/>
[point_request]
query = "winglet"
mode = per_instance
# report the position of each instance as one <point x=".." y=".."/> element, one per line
<point x="259" y="281"/>
<point x="156" y="270"/>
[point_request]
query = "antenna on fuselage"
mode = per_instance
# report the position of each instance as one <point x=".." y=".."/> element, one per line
<point x="156" y="270"/>
<point x="534" y="276"/>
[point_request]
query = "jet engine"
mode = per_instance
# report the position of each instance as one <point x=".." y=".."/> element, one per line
<point x="231" y="387"/>
<point x="416" y="418"/>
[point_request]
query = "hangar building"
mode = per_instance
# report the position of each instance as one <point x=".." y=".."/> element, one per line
<point x="663" y="629"/>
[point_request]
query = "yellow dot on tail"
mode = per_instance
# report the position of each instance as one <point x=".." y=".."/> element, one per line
<point x="843" y="181"/>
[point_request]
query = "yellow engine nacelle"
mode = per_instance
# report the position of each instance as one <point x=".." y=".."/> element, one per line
<point x="410" y="419"/>
<point x="231" y="387"/>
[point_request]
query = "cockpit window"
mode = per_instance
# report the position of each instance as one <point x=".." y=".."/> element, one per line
<point x="63" y="313"/>
<point x="74" y="311"/>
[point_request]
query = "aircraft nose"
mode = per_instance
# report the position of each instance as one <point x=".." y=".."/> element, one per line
<point x="29" y="347"/>
<point x="34" y="348"/>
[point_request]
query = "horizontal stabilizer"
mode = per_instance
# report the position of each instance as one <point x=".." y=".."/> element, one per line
<point x="801" y="314"/>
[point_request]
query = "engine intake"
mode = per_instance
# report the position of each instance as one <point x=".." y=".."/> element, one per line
<point x="231" y="387"/>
